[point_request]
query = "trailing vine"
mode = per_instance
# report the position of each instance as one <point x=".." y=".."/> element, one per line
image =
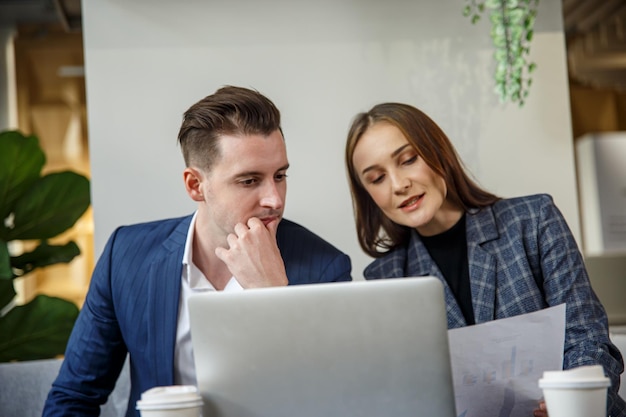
<point x="512" y="24"/>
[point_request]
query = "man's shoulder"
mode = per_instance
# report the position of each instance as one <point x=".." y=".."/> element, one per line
<point x="291" y="234"/>
<point x="155" y="225"/>
<point x="309" y="258"/>
<point x="153" y="232"/>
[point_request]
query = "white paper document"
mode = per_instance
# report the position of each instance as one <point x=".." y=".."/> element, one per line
<point x="496" y="365"/>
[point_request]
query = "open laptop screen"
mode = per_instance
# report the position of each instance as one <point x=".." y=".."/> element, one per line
<point x="362" y="348"/>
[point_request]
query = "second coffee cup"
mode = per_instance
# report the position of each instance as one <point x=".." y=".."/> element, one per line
<point x="577" y="392"/>
<point x="171" y="401"/>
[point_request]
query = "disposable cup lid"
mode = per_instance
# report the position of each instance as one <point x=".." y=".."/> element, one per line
<point x="170" y="397"/>
<point x="583" y="377"/>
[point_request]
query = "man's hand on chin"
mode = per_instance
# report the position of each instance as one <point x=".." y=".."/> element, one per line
<point x="252" y="255"/>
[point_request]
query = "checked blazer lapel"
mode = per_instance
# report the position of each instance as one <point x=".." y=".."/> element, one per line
<point x="420" y="263"/>
<point x="481" y="228"/>
<point x="164" y="277"/>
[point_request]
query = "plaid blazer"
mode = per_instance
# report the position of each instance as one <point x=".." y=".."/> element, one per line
<point x="522" y="258"/>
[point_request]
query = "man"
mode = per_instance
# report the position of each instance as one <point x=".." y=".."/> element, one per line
<point x="236" y="164"/>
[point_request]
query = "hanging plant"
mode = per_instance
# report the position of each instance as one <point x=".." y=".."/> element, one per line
<point x="512" y="24"/>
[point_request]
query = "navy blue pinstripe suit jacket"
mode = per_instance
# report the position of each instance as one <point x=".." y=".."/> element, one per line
<point x="522" y="258"/>
<point x="132" y="307"/>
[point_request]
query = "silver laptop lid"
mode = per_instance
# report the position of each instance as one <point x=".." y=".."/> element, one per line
<point x="362" y="348"/>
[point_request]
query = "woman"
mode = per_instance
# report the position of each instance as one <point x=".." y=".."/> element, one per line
<point x="419" y="213"/>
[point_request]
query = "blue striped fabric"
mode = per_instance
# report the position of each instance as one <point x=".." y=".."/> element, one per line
<point x="132" y="306"/>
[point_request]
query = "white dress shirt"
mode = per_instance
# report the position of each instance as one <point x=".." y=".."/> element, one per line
<point x="192" y="281"/>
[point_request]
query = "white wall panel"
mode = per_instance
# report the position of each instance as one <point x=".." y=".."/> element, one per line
<point x="321" y="62"/>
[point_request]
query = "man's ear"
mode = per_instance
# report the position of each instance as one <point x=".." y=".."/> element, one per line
<point x="193" y="181"/>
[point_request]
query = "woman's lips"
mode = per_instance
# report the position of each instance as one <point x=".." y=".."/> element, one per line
<point x="411" y="203"/>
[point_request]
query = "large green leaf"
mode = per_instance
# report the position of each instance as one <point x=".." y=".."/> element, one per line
<point x="6" y="273"/>
<point x="51" y="206"/>
<point x="37" y="330"/>
<point x="7" y="293"/>
<point x="21" y="161"/>
<point x="45" y="255"/>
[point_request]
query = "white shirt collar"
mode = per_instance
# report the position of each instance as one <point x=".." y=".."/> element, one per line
<point x="191" y="273"/>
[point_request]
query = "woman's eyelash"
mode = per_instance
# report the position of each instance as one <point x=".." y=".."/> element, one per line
<point x="378" y="179"/>
<point x="410" y="160"/>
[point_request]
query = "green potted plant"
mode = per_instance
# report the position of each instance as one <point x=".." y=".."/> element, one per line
<point x="34" y="207"/>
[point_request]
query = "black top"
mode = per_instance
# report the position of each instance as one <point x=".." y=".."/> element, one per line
<point x="449" y="251"/>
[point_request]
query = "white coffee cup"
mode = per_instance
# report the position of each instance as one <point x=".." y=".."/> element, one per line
<point x="171" y="401"/>
<point x="577" y="392"/>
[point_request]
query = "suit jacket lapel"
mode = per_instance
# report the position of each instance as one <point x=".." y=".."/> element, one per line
<point x="481" y="227"/>
<point x="164" y="277"/>
<point x="420" y="263"/>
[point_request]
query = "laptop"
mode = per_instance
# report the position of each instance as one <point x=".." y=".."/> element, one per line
<point x="362" y="348"/>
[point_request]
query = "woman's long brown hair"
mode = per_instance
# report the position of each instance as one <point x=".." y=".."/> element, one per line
<point x="377" y="234"/>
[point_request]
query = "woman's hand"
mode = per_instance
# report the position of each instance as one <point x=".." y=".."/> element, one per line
<point x="542" y="411"/>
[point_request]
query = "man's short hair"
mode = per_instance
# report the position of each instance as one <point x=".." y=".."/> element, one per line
<point x="229" y="111"/>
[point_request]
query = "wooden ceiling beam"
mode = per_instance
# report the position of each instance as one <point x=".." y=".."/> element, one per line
<point x="581" y="9"/>
<point x="600" y="15"/>
<point x="568" y="5"/>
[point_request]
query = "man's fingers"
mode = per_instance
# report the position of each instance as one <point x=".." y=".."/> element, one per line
<point x="240" y="228"/>
<point x="221" y="253"/>
<point x="272" y="226"/>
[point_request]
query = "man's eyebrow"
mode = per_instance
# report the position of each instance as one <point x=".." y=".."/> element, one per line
<point x="393" y="155"/>
<point x="258" y="173"/>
